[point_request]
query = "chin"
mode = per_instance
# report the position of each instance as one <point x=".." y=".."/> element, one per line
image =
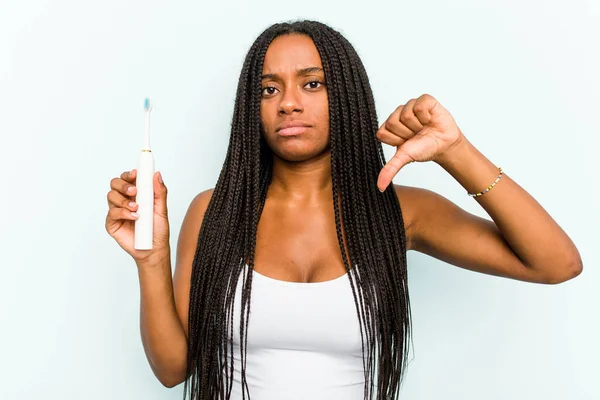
<point x="295" y="151"/>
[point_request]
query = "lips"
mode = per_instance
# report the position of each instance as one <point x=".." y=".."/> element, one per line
<point x="291" y="128"/>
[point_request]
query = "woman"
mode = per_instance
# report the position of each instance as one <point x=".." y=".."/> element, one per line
<point x="304" y="213"/>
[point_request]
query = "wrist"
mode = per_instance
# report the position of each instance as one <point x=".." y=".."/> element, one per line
<point x="157" y="259"/>
<point x="456" y="152"/>
<point x="469" y="167"/>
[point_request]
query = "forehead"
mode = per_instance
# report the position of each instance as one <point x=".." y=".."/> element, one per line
<point x="291" y="52"/>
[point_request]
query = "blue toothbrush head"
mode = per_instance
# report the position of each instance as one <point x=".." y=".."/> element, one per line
<point x="147" y="104"/>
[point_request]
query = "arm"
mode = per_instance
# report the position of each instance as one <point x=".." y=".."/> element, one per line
<point x="164" y="302"/>
<point x="161" y="330"/>
<point x="522" y="242"/>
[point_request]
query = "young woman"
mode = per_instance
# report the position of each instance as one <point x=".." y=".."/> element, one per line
<point x="290" y="280"/>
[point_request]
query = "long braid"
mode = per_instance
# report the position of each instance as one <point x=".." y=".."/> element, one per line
<point x="356" y="148"/>
<point x="337" y="80"/>
<point x="369" y="221"/>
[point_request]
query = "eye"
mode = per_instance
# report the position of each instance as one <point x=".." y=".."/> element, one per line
<point x="268" y="90"/>
<point x="314" y="84"/>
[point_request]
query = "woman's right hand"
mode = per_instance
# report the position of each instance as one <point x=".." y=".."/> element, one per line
<point x="120" y="221"/>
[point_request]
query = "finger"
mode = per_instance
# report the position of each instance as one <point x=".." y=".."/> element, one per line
<point x="123" y="187"/>
<point x="117" y="214"/>
<point x="392" y="167"/>
<point x="394" y="126"/>
<point x="408" y="117"/>
<point x="160" y="195"/>
<point x="115" y="199"/>
<point x="423" y="107"/>
<point x="129" y="176"/>
<point x="385" y="136"/>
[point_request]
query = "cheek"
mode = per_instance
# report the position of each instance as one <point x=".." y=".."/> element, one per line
<point x="322" y="116"/>
<point x="266" y="117"/>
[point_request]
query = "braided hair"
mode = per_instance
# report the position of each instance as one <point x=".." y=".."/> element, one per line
<point x="372" y="222"/>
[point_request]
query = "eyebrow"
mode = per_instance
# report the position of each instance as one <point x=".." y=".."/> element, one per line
<point x="300" y="72"/>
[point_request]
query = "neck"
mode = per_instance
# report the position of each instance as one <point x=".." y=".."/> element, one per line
<point x="305" y="181"/>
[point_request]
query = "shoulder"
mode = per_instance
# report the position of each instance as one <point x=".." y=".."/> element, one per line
<point x="416" y="203"/>
<point x="196" y="210"/>
<point x="190" y="228"/>
<point x="194" y="217"/>
<point x="200" y="202"/>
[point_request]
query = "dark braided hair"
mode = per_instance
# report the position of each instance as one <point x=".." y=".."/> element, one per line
<point x="372" y="223"/>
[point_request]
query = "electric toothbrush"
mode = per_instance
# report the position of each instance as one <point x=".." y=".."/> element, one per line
<point x="144" y="224"/>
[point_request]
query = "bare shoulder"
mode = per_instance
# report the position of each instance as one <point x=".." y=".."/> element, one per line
<point x="186" y="249"/>
<point x="193" y="219"/>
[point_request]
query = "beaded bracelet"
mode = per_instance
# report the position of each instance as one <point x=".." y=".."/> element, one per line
<point x="489" y="187"/>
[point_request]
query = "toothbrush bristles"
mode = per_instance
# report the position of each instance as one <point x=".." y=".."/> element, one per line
<point x="147" y="104"/>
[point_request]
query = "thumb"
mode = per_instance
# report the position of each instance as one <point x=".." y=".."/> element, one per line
<point x="392" y="167"/>
<point x="160" y="195"/>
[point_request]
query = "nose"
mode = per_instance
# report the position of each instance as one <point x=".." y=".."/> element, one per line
<point x="290" y="102"/>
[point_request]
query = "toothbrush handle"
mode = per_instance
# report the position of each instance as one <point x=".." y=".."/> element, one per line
<point x="143" y="230"/>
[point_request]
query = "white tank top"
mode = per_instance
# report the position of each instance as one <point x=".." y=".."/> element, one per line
<point x="303" y="341"/>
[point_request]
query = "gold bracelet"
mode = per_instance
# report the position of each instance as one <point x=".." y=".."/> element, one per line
<point x="489" y="187"/>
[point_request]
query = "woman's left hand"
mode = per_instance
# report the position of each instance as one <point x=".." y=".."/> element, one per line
<point x="422" y="130"/>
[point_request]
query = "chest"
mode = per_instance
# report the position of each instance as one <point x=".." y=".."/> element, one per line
<point x="316" y="317"/>
<point x="303" y="341"/>
<point x="298" y="244"/>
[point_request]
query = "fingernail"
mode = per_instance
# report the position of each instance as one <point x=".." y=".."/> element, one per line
<point x="131" y="204"/>
<point x="134" y="214"/>
<point x="160" y="178"/>
<point x="130" y="189"/>
<point x="380" y="191"/>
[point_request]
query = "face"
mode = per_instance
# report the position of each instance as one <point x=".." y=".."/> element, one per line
<point x="294" y="109"/>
